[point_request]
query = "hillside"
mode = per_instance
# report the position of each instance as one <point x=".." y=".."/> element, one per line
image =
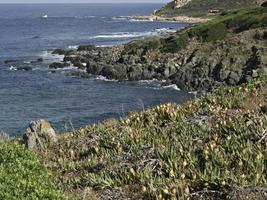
<point x="228" y="50"/>
<point x="197" y="8"/>
<point x="210" y="148"/>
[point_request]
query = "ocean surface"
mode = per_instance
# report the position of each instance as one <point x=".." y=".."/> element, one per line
<point x="32" y="31"/>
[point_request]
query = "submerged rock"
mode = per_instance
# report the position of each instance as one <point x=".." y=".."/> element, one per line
<point x="27" y="68"/>
<point x="9" y="61"/>
<point x="39" y="135"/>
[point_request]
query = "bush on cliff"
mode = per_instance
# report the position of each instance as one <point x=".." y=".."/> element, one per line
<point x="22" y="176"/>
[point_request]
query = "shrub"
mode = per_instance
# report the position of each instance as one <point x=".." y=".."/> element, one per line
<point x="174" y="43"/>
<point x="22" y="176"/>
<point x="4" y="137"/>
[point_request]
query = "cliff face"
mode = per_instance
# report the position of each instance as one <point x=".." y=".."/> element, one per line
<point x="180" y="3"/>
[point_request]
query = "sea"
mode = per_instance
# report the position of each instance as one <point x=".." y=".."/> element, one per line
<point x="31" y="31"/>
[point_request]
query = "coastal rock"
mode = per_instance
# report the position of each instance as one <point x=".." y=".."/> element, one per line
<point x="37" y="61"/>
<point x="59" y="52"/>
<point x="118" y="72"/>
<point x="9" y="61"/>
<point x="80" y="74"/>
<point x="57" y="65"/>
<point x="39" y="135"/>
<point x="77" y="61"/>
<point x="26" y="68"/>
<point x="86" y="47"/>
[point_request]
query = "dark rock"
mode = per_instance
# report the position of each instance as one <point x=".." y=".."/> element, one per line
<point x="233" y="78"/>
<point x="264" y="4"/>
<point x="79" y="74"/>
<point x="86" y="47"/>
<point x="117" y="72"/>
<point x="39" y="135"/>
<point x="9" y="61"/>
<point x="59" y="51"/>
<point x="134" y="72"/>
<point x="94" y="68"/>
<point x="37" y="61"/>
<point x="77" y="61"/>
<point x="26" y="68"/>
<point x="58" y="65"/>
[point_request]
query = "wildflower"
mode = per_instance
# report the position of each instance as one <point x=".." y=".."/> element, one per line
<point x="183" y="176"/>
<point x="187" y="191"/>
<point x="132" y="171"/>
<point x="184" y="163"/>
<point x="143" y="189"/>
<point x="166" y="191"/>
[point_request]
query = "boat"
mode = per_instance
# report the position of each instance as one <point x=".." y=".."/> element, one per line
<point x="45" y="16"/>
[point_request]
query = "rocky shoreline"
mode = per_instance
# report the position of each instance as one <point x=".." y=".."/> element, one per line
<point x="222" y="52"/>
<point x="197" y="67"/>
<point x="184" y="19"/>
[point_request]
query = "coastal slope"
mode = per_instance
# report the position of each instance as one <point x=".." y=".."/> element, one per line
<point x="202" y="8"/>
<point x="228" y="50"/>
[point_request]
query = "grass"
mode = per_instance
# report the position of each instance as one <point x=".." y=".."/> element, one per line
<point x="213" y="143"/>
<point x="23" y="176"/>
<point x="199" y="8"/>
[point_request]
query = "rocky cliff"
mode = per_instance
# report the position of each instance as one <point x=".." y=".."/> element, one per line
<point x="180" y="3"/>
<point x="228" y="50"/>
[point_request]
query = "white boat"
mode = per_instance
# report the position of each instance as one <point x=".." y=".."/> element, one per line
<point x="45" y="16"/>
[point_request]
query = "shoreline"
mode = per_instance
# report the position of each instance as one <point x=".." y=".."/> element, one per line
<point x="186" y="19"/>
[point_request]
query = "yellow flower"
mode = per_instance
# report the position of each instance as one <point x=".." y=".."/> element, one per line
<point x="143" y="189"/>
<point x="132" y="171"/>
<point x="187" y="191"/>
<point x="166" y="191"/>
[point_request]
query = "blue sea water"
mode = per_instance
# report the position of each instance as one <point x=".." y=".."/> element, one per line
<point x="31" y="31"/>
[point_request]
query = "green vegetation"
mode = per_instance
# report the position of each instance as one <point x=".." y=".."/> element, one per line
<point x="197" y="8"/>
<point x="213" y="143"/>
<point x="217" y="29"/>
<point x="22" y="176"/>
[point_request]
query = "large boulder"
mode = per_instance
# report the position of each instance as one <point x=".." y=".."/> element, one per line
<point x="39" y="135"/>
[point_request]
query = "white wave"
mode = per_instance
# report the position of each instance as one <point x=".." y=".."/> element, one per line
<point x="105" y="45"/>
<point x="174" y="86"/>
<point x="149" y="81"/>
<point x="73" y="47"/>
<point x="12" y="68"/>
<point x="141" y="20"/>
<point x="126" y="35"/>
<point x="120" y="18"/>
<point x="85" y="17"/>
<point x="27" y="62"/>
<point x="48" y="56"/>
<point x="165" y="30"/>
<point x="103" y="78"/>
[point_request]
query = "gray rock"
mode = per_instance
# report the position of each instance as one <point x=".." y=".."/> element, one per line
<point x="39" y="135"/>
<point x="233" y="78"/>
